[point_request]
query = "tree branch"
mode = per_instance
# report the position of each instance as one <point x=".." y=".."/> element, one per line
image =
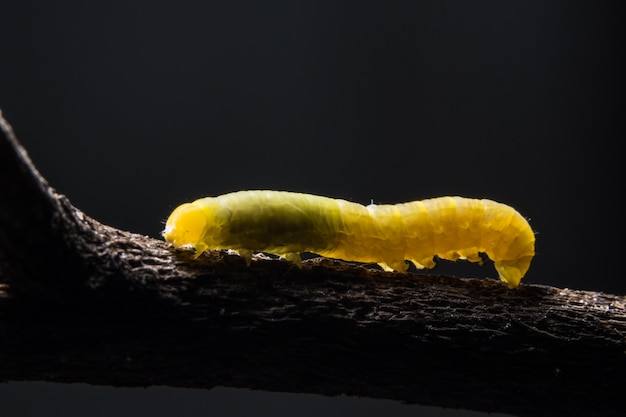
<point x="83" y="302"/>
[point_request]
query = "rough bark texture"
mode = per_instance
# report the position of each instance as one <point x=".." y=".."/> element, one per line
<point x="84" y="302"/>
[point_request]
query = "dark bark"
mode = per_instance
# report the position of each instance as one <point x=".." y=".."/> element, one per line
<point x="84" y="302"/>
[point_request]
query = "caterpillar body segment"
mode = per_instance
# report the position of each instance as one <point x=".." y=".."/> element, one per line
<point x="286" y="224"/>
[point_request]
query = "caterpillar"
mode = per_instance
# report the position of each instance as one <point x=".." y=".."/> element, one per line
<point x="286" y="224"/>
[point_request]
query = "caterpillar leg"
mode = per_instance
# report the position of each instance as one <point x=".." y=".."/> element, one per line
<point x="427" y="263"/>
<point x="293" y="257"/>
<point x="512" y="271"/>
<point x="399" y="266"/>
<point x="246" y="255"/>
<point x="200" y="248"/>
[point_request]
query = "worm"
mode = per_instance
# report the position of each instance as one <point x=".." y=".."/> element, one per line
<point x="286" y="224"/>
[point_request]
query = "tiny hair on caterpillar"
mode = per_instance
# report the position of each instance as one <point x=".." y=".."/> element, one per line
<point x="287" y="224"/>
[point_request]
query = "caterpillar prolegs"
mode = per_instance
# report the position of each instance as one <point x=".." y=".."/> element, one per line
<point x="286" y="224"/>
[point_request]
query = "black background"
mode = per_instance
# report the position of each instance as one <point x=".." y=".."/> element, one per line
<point x="133" y="107"/>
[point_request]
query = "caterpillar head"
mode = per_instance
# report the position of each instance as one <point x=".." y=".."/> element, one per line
<point x="187" y="226"/>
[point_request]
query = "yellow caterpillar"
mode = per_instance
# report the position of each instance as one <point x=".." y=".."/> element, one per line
<point x="286" y="224"/>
